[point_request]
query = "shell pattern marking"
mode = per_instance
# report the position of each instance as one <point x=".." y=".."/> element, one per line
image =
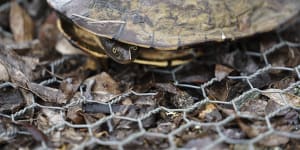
<point x="169" y="24"/>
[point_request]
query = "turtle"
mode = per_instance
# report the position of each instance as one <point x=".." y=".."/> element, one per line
<point x="165" y="32"/>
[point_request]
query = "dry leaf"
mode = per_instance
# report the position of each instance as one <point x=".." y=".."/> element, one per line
<point x="219" y="91"/>
<point x="178" y="98"/>
<point x="74" y="115"/>
<point x="208" y="109"/>
<point x="276" y="140"/>
<point x="64" y="47"/>
<point x="210" y="113"/>
<point x="38" y="135"/>
<point x="104" y="83"/>
<point x="48" y="118"/>
<point x="3" y="73"/>
<point x="222" y="71"/>
<point x="102" y="87"/>
<point x="278" y="97"/>
<point x="20" y="23"/>
<point x="48" y="94"/>
<point x="254" y="106"/>
<point x="48" y="32"/>
<point x="11" y="100"/>
<point x="69" y="86"/>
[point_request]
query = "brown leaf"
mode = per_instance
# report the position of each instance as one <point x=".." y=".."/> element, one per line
<point x="64" y="47"/>
<point x="222" y="71"/>
<point x="219" y="91"/>
<point x="74" y="114"/>
<point x="178" y="97"/>
<point x="3" y="73"/>
<point x="21" y="74"/>
<point x="21" y="23"/>
<point x="101" y="87"/>
<point x="276" y="140"/>
<point x="17" y="68"/>
<point x="195" y="79"/>
<point x="282" y="83"/>
<point x="69" y="86"/>
<point x="48" y="33"/>
<point x="166" y="87"/>
<point x="11" y="100"/>
<point x="104" y="83"/>
<point x="210" y="113"/>
<point x="8" y="130"/>
<point x="48" y="94"/>
<point x="37" y="134"/>
<point x="47" y="118"/>
<point x="273" y="106"/>
<point x="254" y="106"/>
<point x="250" y="130"/>
<point x="279" y="97"/>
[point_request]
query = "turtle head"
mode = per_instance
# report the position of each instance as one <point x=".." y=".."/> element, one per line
<point x="118" y="51"/>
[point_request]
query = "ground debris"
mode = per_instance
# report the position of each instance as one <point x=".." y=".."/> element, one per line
<point x="238" y="94"/>
<point x="21" y="23"/>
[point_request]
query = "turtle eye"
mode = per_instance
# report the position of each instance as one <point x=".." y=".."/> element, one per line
<point x="115" y="51"/>
<point x="120" y="52"/>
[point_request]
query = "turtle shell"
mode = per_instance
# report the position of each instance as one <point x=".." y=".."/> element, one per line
<point x="170" y="24"/>
<point x="90" y="43"/>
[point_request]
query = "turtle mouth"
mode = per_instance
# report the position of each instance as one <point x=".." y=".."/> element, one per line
<point x="119" y="52"/>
